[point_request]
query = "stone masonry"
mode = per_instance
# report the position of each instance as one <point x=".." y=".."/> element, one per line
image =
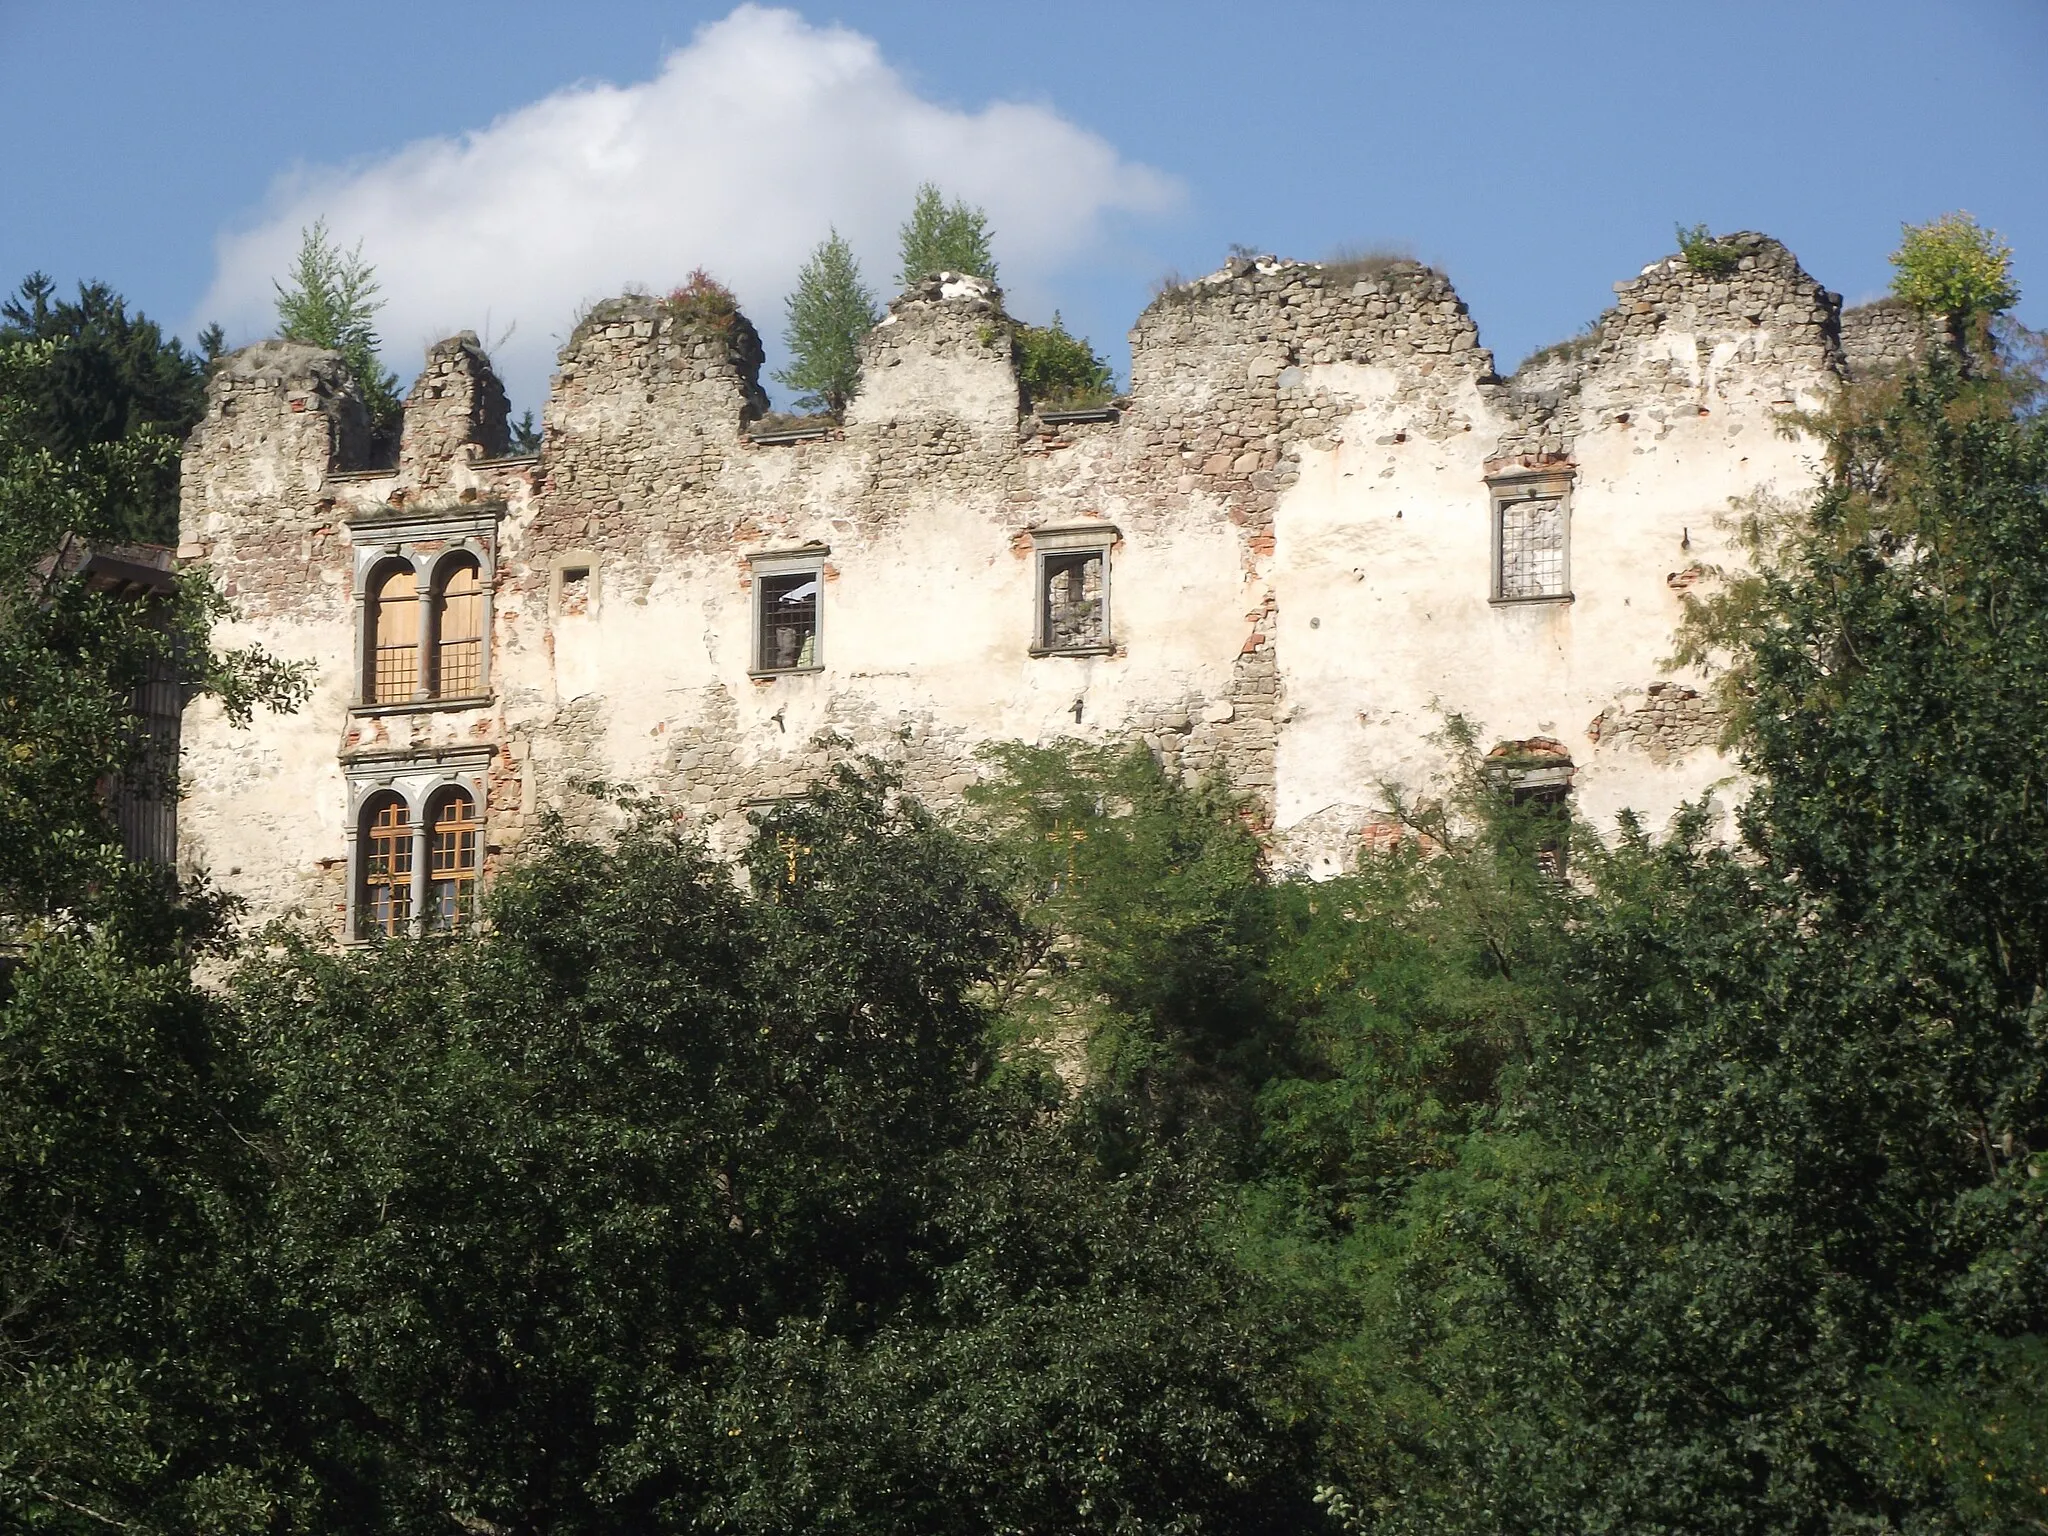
<point x="1291" y="527"/>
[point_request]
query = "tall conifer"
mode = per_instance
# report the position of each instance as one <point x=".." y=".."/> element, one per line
<point x="828" y="314"/>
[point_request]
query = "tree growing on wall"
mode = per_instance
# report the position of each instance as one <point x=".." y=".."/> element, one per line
<point x="944" y="237"/>
<point x="1955" y="268"/>
<point x="332" y="302"/>
<point x="829" y="313"/>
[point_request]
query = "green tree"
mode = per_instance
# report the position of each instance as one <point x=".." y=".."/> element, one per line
<point x="129" y="1374"/>
<point x="662" y="1203"/>
<point x="112" y="374"/>
<point x="829" y="314"/>
<point x="1754" y="1240"/>
<point x="1954" y="268"/>
<point x="332" y="302"/>
<point x="944" y="237"/>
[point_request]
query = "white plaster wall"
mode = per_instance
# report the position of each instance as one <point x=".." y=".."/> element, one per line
<point x="1382" y="554"/>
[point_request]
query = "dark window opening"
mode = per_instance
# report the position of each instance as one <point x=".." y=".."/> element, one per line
<point x="575" y="591"/>
<point x="789" y="622"/>
<point x="1546" y="817"/>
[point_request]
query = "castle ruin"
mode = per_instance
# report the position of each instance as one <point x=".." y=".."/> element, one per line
<point x="1319" y="519"/>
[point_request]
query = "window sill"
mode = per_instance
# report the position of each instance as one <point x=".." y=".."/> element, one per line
<point x="768" y="674"/>
<point x="1073" y="650"/>
<point x="1523" y="602"/>
<point x="422" y="706"/>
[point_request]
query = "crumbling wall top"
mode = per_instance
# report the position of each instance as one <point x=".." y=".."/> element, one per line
<point x="457" y="409"/>
<point x="943" y="349"/>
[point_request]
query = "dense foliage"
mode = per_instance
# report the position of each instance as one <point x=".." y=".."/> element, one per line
<point x="1068" y="1168"/>
<point x="1954" y="267"/>
<point x="109" y="377"/>
<point x="122" y="1176"/>
<point x="1057" y="368"/>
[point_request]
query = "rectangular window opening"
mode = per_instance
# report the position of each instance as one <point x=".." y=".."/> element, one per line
<point x="1531" y="548"/>
<point x="575" y="591"/>
<point x="788" y="612"/>
<point x="1073" y="596"/>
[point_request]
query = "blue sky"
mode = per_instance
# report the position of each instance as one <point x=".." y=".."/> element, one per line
<point x="1538" y="152"/>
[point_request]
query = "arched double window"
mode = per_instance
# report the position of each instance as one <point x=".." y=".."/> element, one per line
<point x="417" y="870"/>
<point x="424" y="644"/>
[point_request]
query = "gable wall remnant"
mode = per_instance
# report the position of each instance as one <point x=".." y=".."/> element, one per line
<point x="1295" y="504"/>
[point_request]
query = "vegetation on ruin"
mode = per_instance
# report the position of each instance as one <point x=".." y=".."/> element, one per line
<point x="1955" y="268"/>
<point x="829" y="313"/>
<point x="703" y="300"/>
<point x="1064" y="1165"/>
<point x="1705" y="254"/>
<point x="943" y="237"/>
<point x="332" y="302"/>
<point x="1057" y="369"/>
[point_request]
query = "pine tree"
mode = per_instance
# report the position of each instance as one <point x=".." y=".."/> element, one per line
<point x="332" y="303"/>
<point x="828" y="314"/>
<point x="944" y="237"/>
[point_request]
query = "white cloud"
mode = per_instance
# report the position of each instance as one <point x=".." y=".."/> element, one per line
<point x="735" y="157"/>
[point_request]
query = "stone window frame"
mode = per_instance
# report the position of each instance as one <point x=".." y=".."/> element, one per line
<point x="1505" y="490"/>
<point x="1099" y="539"/>
<point x="559" y="568"/>
<point x="806" y="560"/>
<point x="418" y="779"/>
<point x="389" y="537"/>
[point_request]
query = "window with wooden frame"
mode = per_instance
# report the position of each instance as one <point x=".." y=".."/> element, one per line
<point x="788" y="633"/>
<point x="384" y="893"/>
<point x="452" y="846"/>
<point x="1071" y="600"/>
<point x="458" y="629"/>
<point x="394" y="621"/>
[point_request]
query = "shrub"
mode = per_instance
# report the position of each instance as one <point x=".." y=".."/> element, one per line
<point x="1706" y="255"/>
<point x="703" y="300"/>
<point x="1058" y="368"/>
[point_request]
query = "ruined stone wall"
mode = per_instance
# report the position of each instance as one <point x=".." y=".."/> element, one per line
<point x="457" y="410"/>
<point x="1291" y="517"/>
<point x="1884" y="335"/>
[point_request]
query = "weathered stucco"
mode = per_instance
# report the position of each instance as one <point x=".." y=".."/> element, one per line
<point x="1296" y="500"/>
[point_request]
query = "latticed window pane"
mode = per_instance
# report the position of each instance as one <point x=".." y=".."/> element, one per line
<point x="789" y="621"/>
<point x="394" y="636"/>
<point x="451" y="862"/>
<point x="1073" y="614"/>
<point x="458" y="628"/>
<point x="386" y="896"/>
<point x="1532" y="548"/>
